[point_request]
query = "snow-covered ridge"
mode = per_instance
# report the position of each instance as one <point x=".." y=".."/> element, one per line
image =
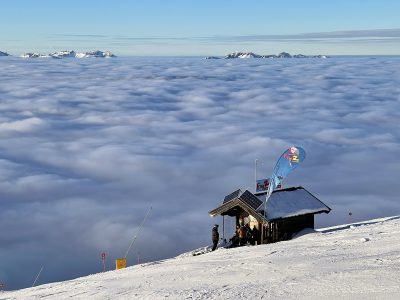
<point x="94" y="54"/>
<point x="65" y="53"/>
<point x="254" y="55"/>
<point x="242" y="55"/>
<point x="70" y="53"/>
<point x="4" y="53"/>
<point x="353" y="261"/>
<point x="34" y="55"/>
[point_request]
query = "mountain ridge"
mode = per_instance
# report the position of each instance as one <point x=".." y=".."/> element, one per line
<point x="247" y="55"/>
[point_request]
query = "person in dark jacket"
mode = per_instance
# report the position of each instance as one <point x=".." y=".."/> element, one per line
<point x="242" y="235"/>
<point x="254" y="233"/>
<point x="215" y="237"/>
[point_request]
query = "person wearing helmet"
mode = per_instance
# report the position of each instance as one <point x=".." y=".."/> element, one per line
<point x="215" y="237"/>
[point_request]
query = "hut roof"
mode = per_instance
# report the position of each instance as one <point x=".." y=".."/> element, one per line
<point x="246" y="200"/>
<point x="285" y="203"/>
<point x="291" y="202"/>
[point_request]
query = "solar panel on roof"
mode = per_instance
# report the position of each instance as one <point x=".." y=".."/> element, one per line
<point x="250" y="199"/>
<point x="233" y="195"/>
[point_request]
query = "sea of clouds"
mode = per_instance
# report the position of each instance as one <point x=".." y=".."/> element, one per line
<point x="87" y="146"/>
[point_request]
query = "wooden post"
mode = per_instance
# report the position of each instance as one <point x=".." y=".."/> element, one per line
<point x="223" y="228"/>
<point x="262" y="233"/>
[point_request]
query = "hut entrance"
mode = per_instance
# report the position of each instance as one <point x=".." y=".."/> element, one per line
<point x="240" y="227"/>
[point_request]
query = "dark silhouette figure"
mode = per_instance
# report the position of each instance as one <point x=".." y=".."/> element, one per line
<point x="234" y="241"/>
<point x="249" y="234"/>
<point x="242" y="235"/>
<point x="254" y="233"/>
<point x="215" y="237"/>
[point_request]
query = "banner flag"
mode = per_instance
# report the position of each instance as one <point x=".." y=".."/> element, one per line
<point x="287" y="162"/>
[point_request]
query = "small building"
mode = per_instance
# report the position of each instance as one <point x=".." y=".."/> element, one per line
<point x="286" y="212"/>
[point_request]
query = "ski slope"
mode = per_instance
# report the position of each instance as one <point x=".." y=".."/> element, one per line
<point x="353" y="261"/>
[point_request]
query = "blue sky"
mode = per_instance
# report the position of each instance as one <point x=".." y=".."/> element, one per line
<point x="178" y="27"/>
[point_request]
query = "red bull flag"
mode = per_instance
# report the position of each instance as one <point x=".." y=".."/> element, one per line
<point x="289" y="160"/>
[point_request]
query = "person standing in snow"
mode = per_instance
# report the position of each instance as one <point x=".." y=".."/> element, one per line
<point x="215" y="237"/>
<point x="242" y="236"/>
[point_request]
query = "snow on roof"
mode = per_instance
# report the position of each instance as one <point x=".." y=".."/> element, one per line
<point x="292" y="202"/>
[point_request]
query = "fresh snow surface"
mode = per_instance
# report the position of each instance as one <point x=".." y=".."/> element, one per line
<point x="353" y="261"/>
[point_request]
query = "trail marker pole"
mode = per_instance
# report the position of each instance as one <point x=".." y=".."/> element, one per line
<point x="121" y="262"/>
<point x="37" y="277"/>
<point x="137" y="233"/>
<point x="103" y="258"/>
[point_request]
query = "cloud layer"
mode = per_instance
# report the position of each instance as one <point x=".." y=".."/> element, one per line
<point x="87" y="146"/>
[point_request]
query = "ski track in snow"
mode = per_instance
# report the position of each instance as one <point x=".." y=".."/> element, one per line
<point x="354" y="261"/>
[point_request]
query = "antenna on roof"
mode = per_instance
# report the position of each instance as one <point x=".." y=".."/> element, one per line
<point x="255" y="173"/>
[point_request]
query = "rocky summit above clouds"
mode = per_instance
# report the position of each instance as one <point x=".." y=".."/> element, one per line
<point x="253" y="55"/>
<point x="242" y="55"/>
<point x="94" y="54"/>
<point x="70" y="53"/>
<point x="64" y="53"/>
<point x="4" y="53"/>
<point x="33" y="55"/>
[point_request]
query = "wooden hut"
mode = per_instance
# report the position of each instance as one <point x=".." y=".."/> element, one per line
<point x="286" y="212"/>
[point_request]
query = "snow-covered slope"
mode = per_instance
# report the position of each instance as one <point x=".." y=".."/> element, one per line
<point x="354" y="261"/>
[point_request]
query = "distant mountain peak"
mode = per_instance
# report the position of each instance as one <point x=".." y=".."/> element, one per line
<point x="4" y="53"/>
<point x="64" y="53"/>
<point x="34" y="55"/>
<point x="70" y="53"/>
<point x="242" y="55"/>
<point x="96" y="53"/>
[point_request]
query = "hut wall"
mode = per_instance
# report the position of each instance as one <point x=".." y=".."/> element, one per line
<point x="283" y="229"/>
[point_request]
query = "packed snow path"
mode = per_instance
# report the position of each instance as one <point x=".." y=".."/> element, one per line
<point x="359" y="261"/>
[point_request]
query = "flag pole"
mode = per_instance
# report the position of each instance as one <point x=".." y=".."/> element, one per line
<point x="255" y="173"/>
